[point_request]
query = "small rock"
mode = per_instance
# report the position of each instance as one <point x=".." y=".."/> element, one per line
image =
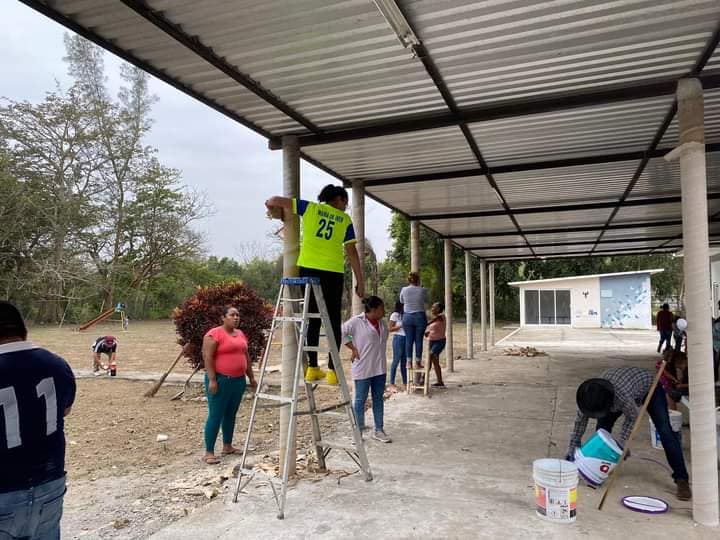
<point x="161" y="437"/>
<point x="120" y="523"/>
<point x="210" y="492"/>
<point x="72" y="443"/>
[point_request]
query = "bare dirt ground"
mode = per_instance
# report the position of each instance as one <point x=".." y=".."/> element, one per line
<point x="122" y="483"/>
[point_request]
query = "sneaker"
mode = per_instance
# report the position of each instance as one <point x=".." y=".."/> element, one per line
<point x="331" y="377"/>
<point x="381" y="436"/>
<point x="314" y="374"/>
<point x="683" y="490"/>
<point x="438" y="385"/>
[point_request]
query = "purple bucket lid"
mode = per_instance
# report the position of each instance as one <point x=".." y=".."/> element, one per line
<point x="646" y="505"/>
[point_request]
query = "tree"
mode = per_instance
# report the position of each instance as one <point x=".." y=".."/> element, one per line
<point x="204" y="309"/>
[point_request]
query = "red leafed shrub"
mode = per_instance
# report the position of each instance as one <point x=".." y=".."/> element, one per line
<point x="204" y="310"/>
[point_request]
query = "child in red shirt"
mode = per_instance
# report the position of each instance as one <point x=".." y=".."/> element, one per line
<point x="435" y="333"/>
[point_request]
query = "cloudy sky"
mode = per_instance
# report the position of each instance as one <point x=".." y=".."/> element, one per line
<point x="228" y="161"/>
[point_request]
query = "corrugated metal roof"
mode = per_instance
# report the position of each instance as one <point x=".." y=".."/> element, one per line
<point x="515" y="122"/>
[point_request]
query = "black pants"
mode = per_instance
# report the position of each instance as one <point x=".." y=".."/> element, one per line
<point x="331" y="284"/>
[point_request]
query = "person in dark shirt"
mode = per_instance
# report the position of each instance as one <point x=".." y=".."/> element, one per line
<point x="664" y="321"/>
<point x="104" y="345"/>
<point x="37" y="390"/>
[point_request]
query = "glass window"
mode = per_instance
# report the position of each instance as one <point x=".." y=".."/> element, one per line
<point x="532" y="315"/>
<point x="547" y="307"/>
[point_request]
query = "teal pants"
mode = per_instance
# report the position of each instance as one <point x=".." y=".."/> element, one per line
<point x="222" y="409"/>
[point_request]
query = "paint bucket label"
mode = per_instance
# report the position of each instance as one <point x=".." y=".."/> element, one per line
<point x="676" y="425"/>
<point x="557" y="504"/>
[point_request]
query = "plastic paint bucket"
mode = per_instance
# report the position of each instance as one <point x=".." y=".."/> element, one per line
<point x="597" y="457"/>
<point x="555" y="490"/>
<point x="676" y="422"/>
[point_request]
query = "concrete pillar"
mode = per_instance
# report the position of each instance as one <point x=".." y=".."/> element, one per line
<point x="696" y="267"/>
<point x="483" y="305"/>
<point x="415" y="246"/>
<point x="448" y="305"/>
<point x="358" y="217"/>
<point x="491" y="298"/>
<point x="468" y="304"/>
<point x="291" y="249"/>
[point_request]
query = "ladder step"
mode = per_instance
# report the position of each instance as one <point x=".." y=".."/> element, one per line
<point x="313" y="348"/>
<point x="336" y="445"/>
<point x="274" y="397"/>
<point x="289" y="319"/>
<point x="283" y="299"/>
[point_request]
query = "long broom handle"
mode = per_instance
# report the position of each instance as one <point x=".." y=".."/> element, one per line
<point x="154" y="389"/>
<point x="616" y="472"/>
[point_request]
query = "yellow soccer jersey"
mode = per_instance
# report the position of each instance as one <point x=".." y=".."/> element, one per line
<point x="325" y="232"/>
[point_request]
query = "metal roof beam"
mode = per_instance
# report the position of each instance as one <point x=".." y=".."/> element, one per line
<point x="434" y="73"/>
<point x="194" y="44"/>
<point x="586" y="253"/>
<point x="505" y="110"/>
<point x="702" y="61"/>
<point x="566" y="230"/>
<point x="558" y="208"/>
<point x="531" y="166"/>
<point x="666" y="239"/>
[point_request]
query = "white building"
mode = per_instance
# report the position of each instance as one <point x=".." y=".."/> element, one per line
<point x="618" y="300"/>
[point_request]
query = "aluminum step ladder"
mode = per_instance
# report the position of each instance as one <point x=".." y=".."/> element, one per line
<point x="297" y="292"/>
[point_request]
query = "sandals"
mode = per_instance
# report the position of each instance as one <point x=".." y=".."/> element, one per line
<point x="231" y="452"/>
<point x="211" y="460"/>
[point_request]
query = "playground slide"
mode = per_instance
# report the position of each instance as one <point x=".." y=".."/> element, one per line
<point x="104" y="315"/>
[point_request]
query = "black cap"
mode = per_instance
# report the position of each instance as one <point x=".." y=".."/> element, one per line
<point x="595" y="397"/>
<point x="11" y="322"/>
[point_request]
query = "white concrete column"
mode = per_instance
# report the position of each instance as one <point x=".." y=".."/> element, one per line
<point x="291" y="249"/>
<point x="448" y="305"/>
<point x="468" y="304"/>
<point x="491" y="299"/>
<point x="358" y="217"/>
<point x="415" y="246"/>
<point x="696" y="267"/>
<point x="483" y="305"/>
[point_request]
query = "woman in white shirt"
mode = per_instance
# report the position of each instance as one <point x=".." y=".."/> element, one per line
<point x="414" y="298"/>
<point x="366" y="336"/>
<point x="398" y="346"/>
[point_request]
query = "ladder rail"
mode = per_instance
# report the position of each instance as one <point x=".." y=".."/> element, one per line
<point x="261" y="379"/>
<point x="356" y="451"/>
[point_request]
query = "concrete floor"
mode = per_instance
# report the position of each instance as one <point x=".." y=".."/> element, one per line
<point x="460" y="465"/>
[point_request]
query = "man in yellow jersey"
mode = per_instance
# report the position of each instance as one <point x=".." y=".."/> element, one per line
<point x="327" y="231"/>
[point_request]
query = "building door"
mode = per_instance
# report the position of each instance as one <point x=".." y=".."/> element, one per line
<point x="532" y="311"/>
<point x="547" y="306"/>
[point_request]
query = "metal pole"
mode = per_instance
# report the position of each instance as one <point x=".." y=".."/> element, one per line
<point x="291" y="249"/>
<point x="415" y="246"/>
<point x="696" y="268"/>
<point x="358" y="217"/>
<point x="483" y="305"/>
<point x="448" y="305"/>
<point x="468" y="304"/>
<point x="491" y="298"/>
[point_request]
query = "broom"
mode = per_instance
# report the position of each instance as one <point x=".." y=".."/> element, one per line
<point x="616" y="472"/>
<point x="157" y="385"/>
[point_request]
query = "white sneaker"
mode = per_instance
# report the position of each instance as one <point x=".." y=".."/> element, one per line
<point x="382" y="437"/>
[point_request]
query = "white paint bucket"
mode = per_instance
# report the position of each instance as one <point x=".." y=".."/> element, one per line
<point x="676" y="422"/>
<point x="555" y="490"/>
<point x="597" y="457"/>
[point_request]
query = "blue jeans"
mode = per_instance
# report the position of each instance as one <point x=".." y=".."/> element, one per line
<point x="32" y="513"/>
<point x="414" y="325"/>
<point x="375" y="384"/>
<point x="658" y="411"/>
<point x="398" y="346"/>
<point x="222" y="408"/>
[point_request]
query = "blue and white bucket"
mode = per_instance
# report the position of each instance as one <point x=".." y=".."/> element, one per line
<point x="597" y="457"/>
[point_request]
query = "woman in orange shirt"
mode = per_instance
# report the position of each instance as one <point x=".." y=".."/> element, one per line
<point x="224" y="352"/>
